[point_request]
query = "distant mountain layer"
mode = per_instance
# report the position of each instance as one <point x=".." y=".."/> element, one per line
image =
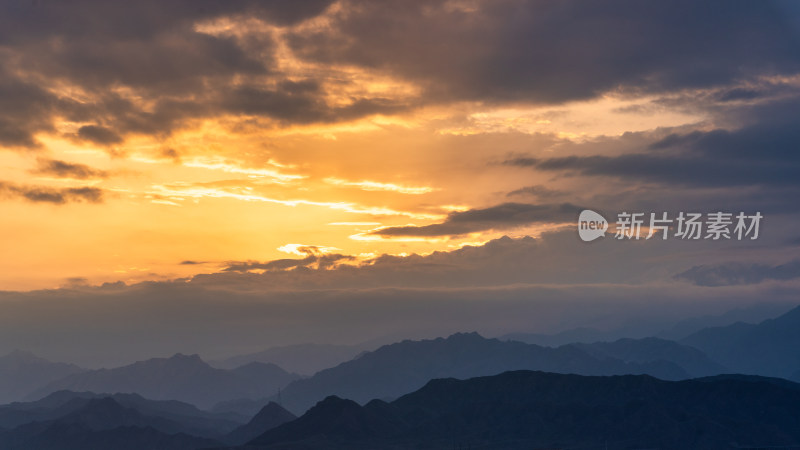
<point x="769" y="348"/>
<point x="22" y="372"/>
<point x="693" y="361"/>
<point x="306" y="359"/>
<point x="396" y="369"/>
<point x="102" y="424"/>
<point x="524" y="410"/>
<point x="185" y="378"/>
<point x="183" y="416"/>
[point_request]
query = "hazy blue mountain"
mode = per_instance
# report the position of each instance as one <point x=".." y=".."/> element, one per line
<point x="751" y="314"/>
<point x="393" y="370"/>
<point x="242" y="407"/>
<point x="185" y="378"/>
<point x="769" y="348"/>
<point x="525" y="409"/>
<point x="23" y="372"/>
<point x="576" y="335"/>
<point x="270" y="416"/>
<point x="306" y="359"/>
<point x="102" y="424"/>
<point x="635" y="330"/>
<point x="187" y="417"/>
<point x="693" y="361"/>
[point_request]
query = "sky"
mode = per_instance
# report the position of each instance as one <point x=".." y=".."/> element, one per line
<point x="222" y="176"/>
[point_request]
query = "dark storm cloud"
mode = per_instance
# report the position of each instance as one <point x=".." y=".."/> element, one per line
<point x="498" y="51"/>
<point x="26" y="109"/>
<point x="686" y="170"/>
<point x="154" y="51"/>
<point x="301" y="102"/>
<point x="63" y="169"/>
<point x="500" y="217"/>
<point x="26" y="20"/>
<point x="543" y="51"/>
<point x="762" y="152"/>
<point x="98" y="135"/>
<point x="730" y="274"/>
<point x="58" y="196"/>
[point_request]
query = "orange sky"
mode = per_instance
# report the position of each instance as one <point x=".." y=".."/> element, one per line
<point x="380" y="143"/>
<point x="242" y="194"/>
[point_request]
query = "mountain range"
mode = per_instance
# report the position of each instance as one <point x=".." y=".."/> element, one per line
<point x="182" y="377"/>
<point x="22" y="372"/>
<point x="70" y="420"/>
<point x="185" y="417"/>
<point x="528" y="409"/>
<point x="769" y="348"/>
<point x="396" y="369"/>
<point x="102" y="424"/>
<point x="306" y="359"/>
<point x="631" y="393"/>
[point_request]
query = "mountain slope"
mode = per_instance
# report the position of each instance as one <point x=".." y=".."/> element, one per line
<point x="185" y="378"/>
<point x="102" y="424"/>
<point x="524" y="409"/>
<point x="396" y="369"/>
<point x="22" y="372"/>
<point x="693" y="361"/>
<point x="306" y="359"/>
<point x="272" y="415"/>
<point x="769" y="348"/>
<point x="60" y="403"/>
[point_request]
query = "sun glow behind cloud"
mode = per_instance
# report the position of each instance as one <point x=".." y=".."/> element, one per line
<point x="259" y="130"/>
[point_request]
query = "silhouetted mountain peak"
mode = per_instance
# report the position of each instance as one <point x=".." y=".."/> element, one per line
<point x="768" y="348"/>
<point x="22" y="372"/>
<point x="466" y="337"/>
<point x="186" y="359"/>
<point x="259" y="369"/>
<point x="176" y="362"/>
<point x="532" y="409"/>
<point x="791" y="317"/>
<point x="342" y="416"/>
<point x="270" y="416"/>
<point x="333" y="417"/>
<point x="271" y="409"/>
<point x="23" y="356"/>
<point x="180" y="377"/>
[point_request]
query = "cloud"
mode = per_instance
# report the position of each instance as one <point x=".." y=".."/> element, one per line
<point x="152" y="68"/>
<point x="500" y="217"/>
<point x="545" y="52"/>
<point x="735" y="274"/>
<point x="63" y="169"/>
<point x="27" y="109"/>
<point x="321" y="261"/>
<point x="149" y="68"/>
<point x="58" y="196"/>
<point x="536" y="190"/>
<point x="98" y="135"/>
<point x="760" y="152"/>
<point x="548" y="284"/>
